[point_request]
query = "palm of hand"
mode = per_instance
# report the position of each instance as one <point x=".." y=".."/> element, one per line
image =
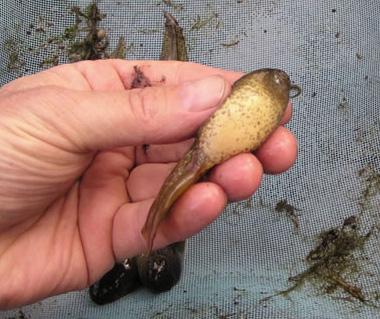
<point x="66" y="218"/>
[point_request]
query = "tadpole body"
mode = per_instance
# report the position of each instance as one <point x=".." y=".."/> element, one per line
<point x="248" y="116"/>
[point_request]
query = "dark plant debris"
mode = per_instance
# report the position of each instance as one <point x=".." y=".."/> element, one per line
<point x="241" y="205"/>
<point x="284" y="207"/>
<point x="173" y="4"/>
<point x="139" y="81"/>
<point x="15" y="58"/>
<point x="53" y="60"/>
<point x="42" y="25"/>
<point x="95" y="42"/>
<point x="120" y="52"/>
<point x="231" y="43"/>
<point x="367" y="136"/>
<point x="85" y="39"/>
<point x="343" y="104"/>
<point x="202" y="22"/>
<point x="333" y="264"/>
<point x="148" y="31"/>
<point x="19" y="315"/>
<point x="371" y="180"/>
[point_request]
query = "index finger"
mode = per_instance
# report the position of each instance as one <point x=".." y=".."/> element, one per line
<point x="169" y="72"/>
<point x="174" y="73"/>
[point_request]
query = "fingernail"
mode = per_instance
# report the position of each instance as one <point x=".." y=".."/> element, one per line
<point x="203" y="94"/>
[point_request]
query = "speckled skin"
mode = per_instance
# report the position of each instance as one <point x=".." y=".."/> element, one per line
<point x="252" y="111"/>
<point x="248" y="116"/>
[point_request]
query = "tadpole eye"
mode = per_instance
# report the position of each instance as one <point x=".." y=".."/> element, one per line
<point x="281" y="78"/>
<point x="277" y="79"/>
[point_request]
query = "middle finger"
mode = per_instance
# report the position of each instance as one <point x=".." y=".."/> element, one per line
<point x="239" y="177"/>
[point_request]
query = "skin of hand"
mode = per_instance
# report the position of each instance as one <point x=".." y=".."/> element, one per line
<point x="76" y="182"/>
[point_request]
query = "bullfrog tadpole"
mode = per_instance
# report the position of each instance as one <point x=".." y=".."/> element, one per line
<point x="248" y="116"/>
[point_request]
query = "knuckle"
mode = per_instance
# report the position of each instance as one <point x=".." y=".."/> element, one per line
<point x="85" y="64"/>
<point x="145" y="105"/>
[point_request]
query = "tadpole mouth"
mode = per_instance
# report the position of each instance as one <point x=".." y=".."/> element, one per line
<point x="281" y="77"/>
<point x="295" y="90"/>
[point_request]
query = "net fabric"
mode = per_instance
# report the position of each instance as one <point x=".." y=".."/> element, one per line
<point x="330" y="48"/>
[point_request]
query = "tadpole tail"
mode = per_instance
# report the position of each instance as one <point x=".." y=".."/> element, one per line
<point x="186" y="173"/>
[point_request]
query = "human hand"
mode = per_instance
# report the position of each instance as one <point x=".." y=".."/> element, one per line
<point x="76" y="182"/>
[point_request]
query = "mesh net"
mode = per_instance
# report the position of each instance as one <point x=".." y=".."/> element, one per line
<point x="259" y="247"/>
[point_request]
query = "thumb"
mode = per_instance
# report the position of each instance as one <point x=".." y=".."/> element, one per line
<point x="152" y="115"/>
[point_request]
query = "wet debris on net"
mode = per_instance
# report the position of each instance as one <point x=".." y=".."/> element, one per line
<point x="84" y="40"/>
<point x="283" y="206"/>
<point x="333" y="264"/>
<point x="371" y="180"/>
